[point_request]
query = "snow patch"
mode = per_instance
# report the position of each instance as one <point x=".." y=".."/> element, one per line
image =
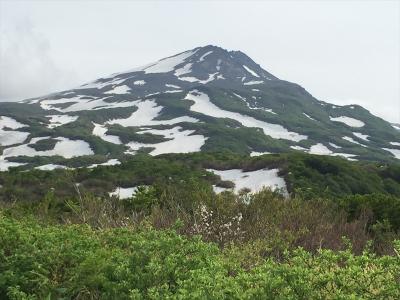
<point x="298" y="148"/>
<point x="204" y="55"/>
<point x="396" y="126"/>
<point x="202" y="104"/>
<point x="5" y="164"/>
<point x="11" y="137"/>
<point x="210" y="78"/>
<point x="124" y="193"/>
<point x="251" y="107"/>
<point x="395" y="152"/>
<point x="64" y="147"/>
<point x="50" y="167"/>
<point x="110" y="162"/>
<point x="253" y="82"/>
<point x="348" y="121"/>
<point x="173" y="91"/>
<point x="180" y="141"/>
<point x="139" y="82"/>
<point x="119" y="90"/>
<point x="251" y="71"/>
<point x="253" y="180"/>
<point x="80" y="103"/>
<point x="59" y="120"/>
<point x="184" y="70"/>
<point x="345" y="155"/>
<point x="351" y="140"/>
<point x="97" y="84"/>
<point x="334" y="145"/>
<point x="309" y="117"/>
<point x="172" y="86"/>
<point x="218" y="66"/>
<point x="255" y="153"/>
<point x="320" y="149"/>
<point x="147" y="111"/>
<point x="361" y="136"/>
<point x="101" y="131"/>
<point x="168" y="64"/>
<point x="10" y="123"/>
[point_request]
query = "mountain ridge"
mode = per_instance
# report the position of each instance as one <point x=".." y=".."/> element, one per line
<point x="203" y="99"/>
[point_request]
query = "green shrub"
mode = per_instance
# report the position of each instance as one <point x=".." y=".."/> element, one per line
<point x="75" y="261"/>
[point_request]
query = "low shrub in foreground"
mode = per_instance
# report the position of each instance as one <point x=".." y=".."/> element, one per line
<point x="78" y="262"/>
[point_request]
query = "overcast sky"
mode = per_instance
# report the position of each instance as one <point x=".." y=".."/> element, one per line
<point x="340" y="51"/>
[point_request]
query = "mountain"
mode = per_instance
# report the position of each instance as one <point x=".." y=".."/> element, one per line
<point x="204" y="99"/>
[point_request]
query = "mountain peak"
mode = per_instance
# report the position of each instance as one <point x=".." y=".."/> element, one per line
<point x="207" y="98"/>
<point x="205" y="65"/>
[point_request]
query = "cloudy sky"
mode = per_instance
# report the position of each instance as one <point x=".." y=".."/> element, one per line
<point x="340" y="51"/>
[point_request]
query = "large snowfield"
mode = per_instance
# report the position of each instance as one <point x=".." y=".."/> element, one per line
<point x="202" y="104"/>
<point x="64" y="147"/>
<point x="253" y="180"/>
<point x="8" y="135"/>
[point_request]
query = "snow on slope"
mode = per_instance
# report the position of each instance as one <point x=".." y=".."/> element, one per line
<point x="50" y="167"/>
<point x="348" y="121"/>
<point x="299" y="148"/>
<point x="5" y="164"/>
<point x="101" y="131"/>
<point x="253" y="82"/>
<point x="59" y="120"/>
<point x="395" y="152"/>
<point x="202" y="104"/>
<point x="255" y="153"/>
<point x="110" y="162"/>
<point x="254" y="180"/>
<point x="79" y="103"/>
<point x="334" y="145"/>
<point x="180" y="141"/>
<point x="119" y="89"/>
<point x="11" y="137"/>
<point x="124" y="193"/>
<point x="172" y="86"/>
<point x="168" y="64"/>
<point x="97" y="84"/>
<point x="184" y="70"/>
<point x="64" y="147"/>
<point x="204" y="55"/>
<point x="351" y="140"/>
<point x="320" y="149"/>
<point x="307" y="116"/>
<point x="255" y="108"/>
<point x="147" y="111"/>
<point x="10" y="123"/>
<point x="251" y="71"/>
<point x="361" y="136"/>
<point x="139" y="82"/>
<point x="210" y="78"/>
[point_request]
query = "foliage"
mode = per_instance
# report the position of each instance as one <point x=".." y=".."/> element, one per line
<point x="75" y="261"/>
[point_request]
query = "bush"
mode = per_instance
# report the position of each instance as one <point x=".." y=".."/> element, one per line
<point x="75" y="261"/>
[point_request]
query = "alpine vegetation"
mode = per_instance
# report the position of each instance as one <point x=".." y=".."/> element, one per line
<point x="204" y="99"/>
<point x="198" y="176"/>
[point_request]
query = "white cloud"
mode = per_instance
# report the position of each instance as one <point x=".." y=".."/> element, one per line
<point x="27" y="68"/>
<point x="334" y="49"/>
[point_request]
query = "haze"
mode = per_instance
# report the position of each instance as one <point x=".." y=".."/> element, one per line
<point x="342" y="52"/>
